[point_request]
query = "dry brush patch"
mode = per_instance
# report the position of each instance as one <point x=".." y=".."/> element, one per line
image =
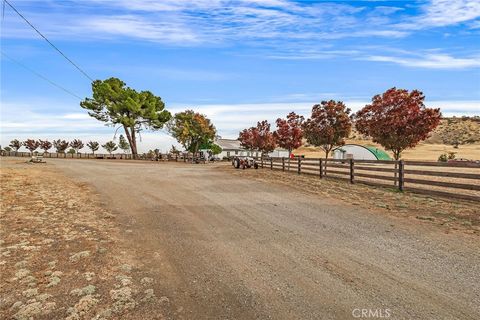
<point x="61" y="256"/>
<point x="449" y="214"/>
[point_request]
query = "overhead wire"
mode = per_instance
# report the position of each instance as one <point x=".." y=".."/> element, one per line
<point x="48" y="41"/>
<point x="41" y="76"/>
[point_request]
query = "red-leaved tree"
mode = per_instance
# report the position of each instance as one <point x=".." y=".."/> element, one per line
<point x="397" y="119"/>
<point x="31" y="144"/>
<point x="265" y="140"/>
<point x="45" y="145"/>
<point x="76" y="145"/>
<point x="328" y="125"/>
<point x="258" y="138"/>
<point x="246" y="138"/>
<point x="60" y="145"/>
<point x="289" y="132"/>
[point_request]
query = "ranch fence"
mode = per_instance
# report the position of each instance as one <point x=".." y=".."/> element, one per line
<point x="446" y="179"/>
<point x="119" y="156"/>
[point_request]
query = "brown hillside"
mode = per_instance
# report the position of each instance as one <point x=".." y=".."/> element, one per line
<point x="430" y="149"/>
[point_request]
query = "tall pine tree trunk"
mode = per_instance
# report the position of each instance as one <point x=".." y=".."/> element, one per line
<point x="134" y="143"/>
<point x="131" y="140"/>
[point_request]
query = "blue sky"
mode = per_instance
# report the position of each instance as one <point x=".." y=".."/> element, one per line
<point x="237" y="61"/>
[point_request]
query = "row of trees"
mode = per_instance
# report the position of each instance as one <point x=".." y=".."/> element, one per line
<point x="118" y="105"/>
<point x="396" y="119"/>
<point x="61" y="146"/>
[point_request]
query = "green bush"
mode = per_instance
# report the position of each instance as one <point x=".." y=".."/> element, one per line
<point x="444" y="157"/>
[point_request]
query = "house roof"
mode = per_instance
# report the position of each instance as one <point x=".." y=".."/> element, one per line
<point x="233" y="144"/>
<point x="229" y="144"/>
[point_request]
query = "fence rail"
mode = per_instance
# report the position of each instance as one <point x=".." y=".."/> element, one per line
<point x="456" y="179"/>
<point x="120" y="156"/>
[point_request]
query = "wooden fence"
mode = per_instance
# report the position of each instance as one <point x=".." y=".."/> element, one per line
<point x="69" y="155"/>
<point x="452" y="179"/>
<point x="120" y="156"/>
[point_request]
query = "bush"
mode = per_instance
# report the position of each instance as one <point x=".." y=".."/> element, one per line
<point x="444" y="157"/>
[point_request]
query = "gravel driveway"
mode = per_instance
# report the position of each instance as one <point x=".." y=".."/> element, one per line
<point x="224" y="247"/>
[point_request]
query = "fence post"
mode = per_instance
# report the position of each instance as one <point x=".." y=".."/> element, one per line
<point x="351" y="172"/>
<point x="271" y="163"/>
<point x="299" y="165"/>
<point x="283" y="163"/>
<point x="400" y="175"/>
<point x="321" y="168"/>
<point x="261" y="161"/>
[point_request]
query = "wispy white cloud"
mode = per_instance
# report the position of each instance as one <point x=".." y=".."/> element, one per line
<point x="447" y="12"/>
<point x="430" y="61"/>
<point x="136" y="26"/>
<point x="441" y="13"/>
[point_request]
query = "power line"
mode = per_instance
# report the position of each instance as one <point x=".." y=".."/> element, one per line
<point x="41" y="76"/>
<point x="3" y="12"/>
<point x="49" y="42"/>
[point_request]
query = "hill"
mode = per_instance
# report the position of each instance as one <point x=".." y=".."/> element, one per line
<point x="463" y="130"/>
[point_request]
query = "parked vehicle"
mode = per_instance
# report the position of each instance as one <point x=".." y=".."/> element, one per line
<point x="244" y="162"/>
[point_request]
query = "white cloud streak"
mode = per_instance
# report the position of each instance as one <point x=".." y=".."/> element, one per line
<point x="430" y="61"/>
<point x="448" y="12"/>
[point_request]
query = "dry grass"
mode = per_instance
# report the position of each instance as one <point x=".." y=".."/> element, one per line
<point x="448" y="214"/>
<point x="423" y="151"/>
<point x="60" y="254"/>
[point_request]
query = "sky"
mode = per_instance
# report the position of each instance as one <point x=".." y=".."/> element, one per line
<point x="237" y="61"/>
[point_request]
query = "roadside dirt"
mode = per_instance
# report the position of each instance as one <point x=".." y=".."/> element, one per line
<point x="449" y="215"/>
<point x="221" y="244"/>
<point x="61" y="256"/>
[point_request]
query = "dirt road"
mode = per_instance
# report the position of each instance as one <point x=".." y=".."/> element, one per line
<point x="223" y="247"/>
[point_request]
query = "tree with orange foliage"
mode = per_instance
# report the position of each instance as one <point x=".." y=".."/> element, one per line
<point x="328" y="125"/>
<point x="289" y="132"/>
<point x="191" y="129"/>
<point x="397" y="119"/>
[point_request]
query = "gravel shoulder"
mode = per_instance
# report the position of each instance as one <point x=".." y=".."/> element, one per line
<point x="223" y="245"/>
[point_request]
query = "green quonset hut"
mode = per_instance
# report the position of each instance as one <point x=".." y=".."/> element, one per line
<point x="359" y="152"/>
